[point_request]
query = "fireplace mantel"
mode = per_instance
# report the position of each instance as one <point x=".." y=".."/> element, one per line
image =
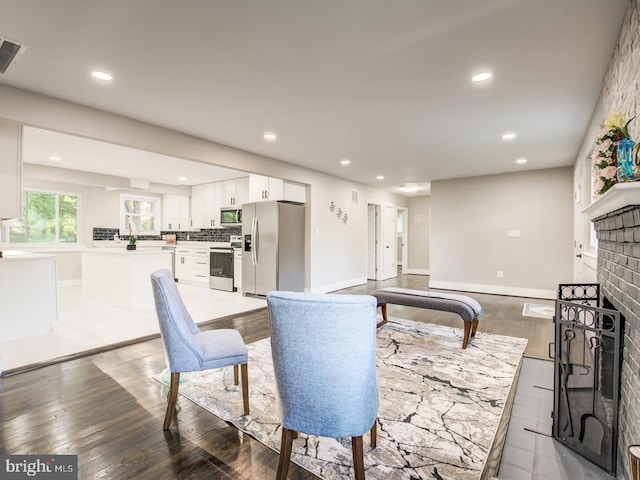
<point x="618" y="196"/>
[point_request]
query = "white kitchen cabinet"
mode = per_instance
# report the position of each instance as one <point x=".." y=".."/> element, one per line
<point x="262" y="188"/>
<point x="197" y="207"/>
<point x="192" y="265"/>
<point x="212" y="204"/>
<point x="10" y="170"/>
<point x="28" y="294"/>
<point x="175" y="212"/>
<point x="295" y="192"/>
<point x="205" y="205"/>
<point x="237" y="269"/>
<point x="234" y="192"/>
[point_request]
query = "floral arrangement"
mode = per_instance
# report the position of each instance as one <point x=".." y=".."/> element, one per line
<point x="605" y="159"/>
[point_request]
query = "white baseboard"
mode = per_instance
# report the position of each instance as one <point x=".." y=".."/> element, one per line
<point x="70" y="283"/>
<point x="339" y="285"/>
<point x="494" y="289"/>
<point x="416" y="271"/>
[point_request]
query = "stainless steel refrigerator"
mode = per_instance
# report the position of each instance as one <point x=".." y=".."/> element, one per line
<point x="272" y="247"/>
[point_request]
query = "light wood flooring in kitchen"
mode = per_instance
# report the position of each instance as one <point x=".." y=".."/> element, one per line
<point x="107" y="409"/>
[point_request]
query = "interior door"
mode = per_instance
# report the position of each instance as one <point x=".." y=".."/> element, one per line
<point x="389" y="242"/>
<point x="579" y="226"/>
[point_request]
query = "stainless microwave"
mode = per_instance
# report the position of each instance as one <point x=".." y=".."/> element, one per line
<point x="230" y="217"/>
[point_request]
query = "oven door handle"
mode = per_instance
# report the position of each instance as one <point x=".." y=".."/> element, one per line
<point x="221" y="250"/>
<point x="254" y="241"/>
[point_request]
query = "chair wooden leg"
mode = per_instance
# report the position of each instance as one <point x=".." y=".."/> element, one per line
<point x="374" y="434"/>
<point x="172" y="398"/>
<point x="285" y="453"/>
<point x="358" y="457"/>
<point x="235" y="374"/>
<point x="245" y="386"/>
<point x="383" y="307"/>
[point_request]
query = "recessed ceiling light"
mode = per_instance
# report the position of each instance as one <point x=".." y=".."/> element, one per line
<point x="269" y="136"/>
<point x="481" y="77"/>
<point x="521" y="161"/>
<point x="345" y="161"/>
<point x="409" y="187"/>
<point x="182" y="178"/>
<point x="103" y="76"/>
<point x="380" y="177"/>
<point x="506" y="136"/>
<point x="55" y="158"/>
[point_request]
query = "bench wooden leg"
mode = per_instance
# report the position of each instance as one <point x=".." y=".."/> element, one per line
<point x="467" y="333"/>
<point x="383" y="307"/>
<point x="474" y="328"/>
<point x="470" y="329"/>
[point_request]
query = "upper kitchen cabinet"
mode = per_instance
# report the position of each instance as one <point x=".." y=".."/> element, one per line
<point x="262" y="188"/>
<point x="235" y="192"/>
<point x="206" y="200"/>
<point x="175" y="212"/>
<point x="295" y="192"/>
<point x="10" y="170"/>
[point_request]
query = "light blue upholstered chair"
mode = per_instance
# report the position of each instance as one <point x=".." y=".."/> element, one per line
<point x="187" y="348"/>
<point x="324" y="358"/>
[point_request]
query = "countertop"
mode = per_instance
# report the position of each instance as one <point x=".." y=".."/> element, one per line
<point x="124" y="251"/>
<point x="157" y="244"/>
<point x="18" y="256"/>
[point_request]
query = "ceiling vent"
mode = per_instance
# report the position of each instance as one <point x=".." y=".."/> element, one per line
<point x="10" y="51"/>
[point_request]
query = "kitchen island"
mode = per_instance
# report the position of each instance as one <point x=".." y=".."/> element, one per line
<point x="28" y="294"/>
<point x="121" y="277"/>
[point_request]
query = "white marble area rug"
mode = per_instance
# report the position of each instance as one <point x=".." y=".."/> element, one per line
<point x="538" y="310"/>
<point x="440" y="406"/>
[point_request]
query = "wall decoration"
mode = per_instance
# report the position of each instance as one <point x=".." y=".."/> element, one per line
<point x="420" y="219"/>
<point x="339" y="213"/>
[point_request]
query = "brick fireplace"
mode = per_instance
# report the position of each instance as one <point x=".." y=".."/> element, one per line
<point x="616" y="218"/>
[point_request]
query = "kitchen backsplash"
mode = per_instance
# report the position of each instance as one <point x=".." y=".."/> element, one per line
<point x="203" y="235"/>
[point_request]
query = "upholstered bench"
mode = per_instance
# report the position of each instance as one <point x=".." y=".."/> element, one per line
<point x="468" y="308"/>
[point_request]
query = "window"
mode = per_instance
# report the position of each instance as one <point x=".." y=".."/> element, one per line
<point x="143" y="211"/>
<point x="47" y="218"/>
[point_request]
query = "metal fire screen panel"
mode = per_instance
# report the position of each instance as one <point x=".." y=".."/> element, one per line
<point x="587" y="376"/>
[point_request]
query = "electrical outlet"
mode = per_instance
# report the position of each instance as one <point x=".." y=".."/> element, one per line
<point x="500" y="274"/>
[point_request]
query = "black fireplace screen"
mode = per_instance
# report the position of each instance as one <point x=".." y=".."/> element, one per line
<point x="587" y="374"/>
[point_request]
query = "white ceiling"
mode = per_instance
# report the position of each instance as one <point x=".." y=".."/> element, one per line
<point x="77" y="153"/>
<point x="384" y="83"/>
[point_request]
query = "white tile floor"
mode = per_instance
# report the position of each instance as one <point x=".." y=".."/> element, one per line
<point x="537" y="456"/>
<point x="84" y="324"/>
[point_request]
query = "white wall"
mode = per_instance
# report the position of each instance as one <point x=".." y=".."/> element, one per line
<point x="470" y="218"/>
<point x="337" y="255"/>
<point x="418" y="235"/>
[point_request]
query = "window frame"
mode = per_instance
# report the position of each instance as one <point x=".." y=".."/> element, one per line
<point x="124" y="224"/>
<point x="6" y="225"/>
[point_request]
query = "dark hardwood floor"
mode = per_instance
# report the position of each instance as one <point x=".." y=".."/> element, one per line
<point x="106" y="408"/>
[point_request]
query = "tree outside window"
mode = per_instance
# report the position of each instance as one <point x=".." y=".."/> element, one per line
<point x="46" y="218"/>
<point x="144" y="213"/>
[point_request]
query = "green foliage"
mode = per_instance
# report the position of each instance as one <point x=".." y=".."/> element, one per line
<point x="46" y="218"/>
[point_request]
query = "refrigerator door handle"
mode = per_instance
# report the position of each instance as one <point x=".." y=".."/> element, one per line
<point x="254" y="241"/>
